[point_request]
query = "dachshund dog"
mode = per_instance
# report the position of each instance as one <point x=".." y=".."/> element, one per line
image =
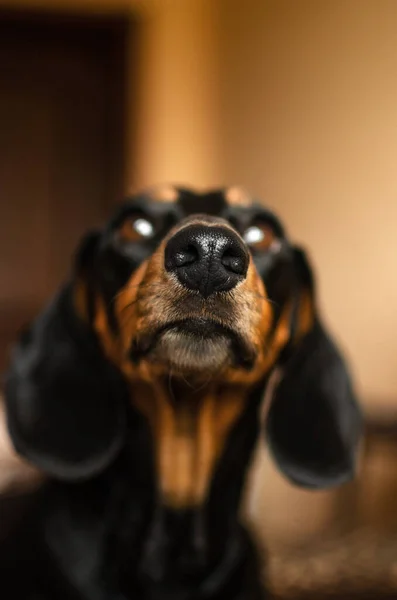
<point x="138" y="392"/>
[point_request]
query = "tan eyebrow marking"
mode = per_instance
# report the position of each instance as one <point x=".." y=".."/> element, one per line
<point x="238" y="196"/>
<point x="163" y="193"/>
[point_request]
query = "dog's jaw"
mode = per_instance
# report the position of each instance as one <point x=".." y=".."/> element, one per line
<point x="194" y="345"/>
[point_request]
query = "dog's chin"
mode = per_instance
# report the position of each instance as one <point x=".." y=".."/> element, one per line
<point x="194" y="345"/>
<point x="187" y="352"/>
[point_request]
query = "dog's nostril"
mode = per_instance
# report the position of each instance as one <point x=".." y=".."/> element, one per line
<point x="235" y="262"/>
<point x="186" y="256"/>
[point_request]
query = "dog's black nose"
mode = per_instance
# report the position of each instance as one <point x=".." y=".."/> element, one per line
<point x="207" y="258"/>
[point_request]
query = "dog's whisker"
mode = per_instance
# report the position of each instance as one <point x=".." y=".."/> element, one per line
<point x="170" y="388"/>
<point x="129" y="305"/>
<point x="266" y="299"/>
<point x="191" y="386"/>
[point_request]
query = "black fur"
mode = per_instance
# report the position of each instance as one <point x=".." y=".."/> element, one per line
<point x="102" y="534"/>
<point x="65" y="402"/>
<point x="313" y="423"/>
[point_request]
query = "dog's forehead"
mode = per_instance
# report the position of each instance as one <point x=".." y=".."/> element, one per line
<point x="212" y="202"/>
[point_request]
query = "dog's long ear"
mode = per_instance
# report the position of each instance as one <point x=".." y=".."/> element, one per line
<point x="313" y="424"/>
<point x="65" y="402"/>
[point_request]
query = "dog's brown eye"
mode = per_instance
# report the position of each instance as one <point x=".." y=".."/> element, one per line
<point x="136" y="229"/>
<point x="259" y="236"/>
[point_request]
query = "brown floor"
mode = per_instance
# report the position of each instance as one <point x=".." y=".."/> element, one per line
<point x="355" y="557"/>
<point x="362" y="565"/>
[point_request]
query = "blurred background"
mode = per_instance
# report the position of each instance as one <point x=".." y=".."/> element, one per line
<point x="295" y="100"/>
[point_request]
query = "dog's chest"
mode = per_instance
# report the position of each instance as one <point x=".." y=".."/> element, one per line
<point x="98" y="533"/>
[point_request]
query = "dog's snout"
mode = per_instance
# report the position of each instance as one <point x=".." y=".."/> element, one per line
<point x="207" y="258"/>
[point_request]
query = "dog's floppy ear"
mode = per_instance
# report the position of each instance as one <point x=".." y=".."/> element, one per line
<point x="65" y="402"/>
<point x="313" y="424"/>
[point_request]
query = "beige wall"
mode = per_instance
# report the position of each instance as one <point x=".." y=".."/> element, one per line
<point x="297" y="101"/>
<point x="175" y="133"/>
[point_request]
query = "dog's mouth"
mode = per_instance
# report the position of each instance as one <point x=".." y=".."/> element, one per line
<point x="195" y="344"/>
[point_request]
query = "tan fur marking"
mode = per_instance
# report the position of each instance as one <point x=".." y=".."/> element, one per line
<point x="207" y="446"/>
<point x="164" y="193"/>
<point x="306" y="315"/>
<point x="80" y="298"/>
<point x="189" y="434"/>
<point x="238" y="196"/>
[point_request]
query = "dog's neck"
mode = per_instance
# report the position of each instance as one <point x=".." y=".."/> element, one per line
<point x="202" y="439"/>
<point x="190" y="425"/>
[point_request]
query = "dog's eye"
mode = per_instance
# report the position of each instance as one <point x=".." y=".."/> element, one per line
<point x="143" y="227"/>
<point x="259" y="236"/>
<point x="136" y="229"/>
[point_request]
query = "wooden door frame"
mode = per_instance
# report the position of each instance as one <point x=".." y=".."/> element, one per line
<point x="117" y="30"/>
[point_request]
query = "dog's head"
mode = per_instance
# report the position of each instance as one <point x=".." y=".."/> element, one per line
<point x="204" y="289"/>
<point x="200" y="286"/>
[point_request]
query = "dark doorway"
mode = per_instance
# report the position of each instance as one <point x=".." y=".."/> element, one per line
<point x="61" y="150"/>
